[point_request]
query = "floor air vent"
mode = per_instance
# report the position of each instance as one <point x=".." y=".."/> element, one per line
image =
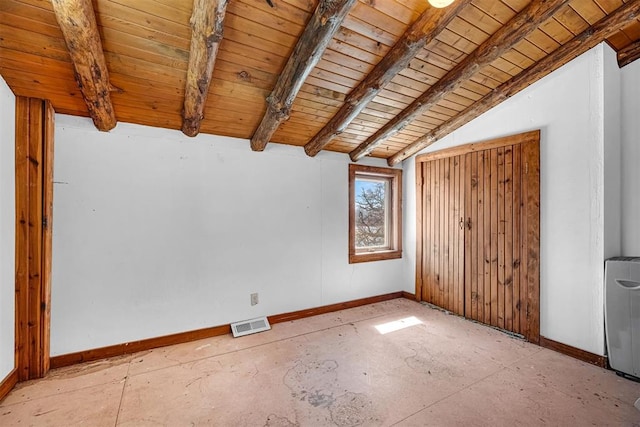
<point x="252" y="326"/>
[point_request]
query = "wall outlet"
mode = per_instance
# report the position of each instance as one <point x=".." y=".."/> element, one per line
<point x="254" y="299"/>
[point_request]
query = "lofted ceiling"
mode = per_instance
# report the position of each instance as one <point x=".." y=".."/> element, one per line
<point x="396" y="75"/>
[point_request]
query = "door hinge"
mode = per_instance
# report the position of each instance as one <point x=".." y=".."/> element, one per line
<point x="45" y="222"/>
<point x="526" y="168"/>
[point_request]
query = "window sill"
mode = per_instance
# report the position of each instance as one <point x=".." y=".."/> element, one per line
<point x="374" y="256"/>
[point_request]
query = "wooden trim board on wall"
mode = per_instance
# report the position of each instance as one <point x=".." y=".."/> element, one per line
<point x="574" y="352"/>
<point x="7" y="384"/>
<point x="179" y="338"/>
<point x="148" y="344"/>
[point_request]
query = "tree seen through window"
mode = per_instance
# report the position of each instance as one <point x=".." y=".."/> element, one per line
<point x="371" y="213"/>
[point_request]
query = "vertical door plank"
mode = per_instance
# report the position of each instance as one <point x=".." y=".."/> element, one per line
<point x="428" y="246"/>
<point x="468" y="206"/>
<point x="420" y="241"/>
<point x="508" y="238"/>
<point x="461" y="234"/>
<point x="451" y="229"/>
<point x="445" y="232"/>
<point x="473" y="232"/>
<point x="524" y="324"/>
<point x="36" y="136"/>
<point x="442" y="226"/>
<point x="494" y="237"/>
<point x="425" y="239"/>
<point x="436" y="236"/>
<point x="457" y="215"/>
<point x="532" y="158"/>
<point x="479" y="231"/>
<point x="517" y="231"/>
<point x="22" y="238"/>
<point x="47" y="237"/>
<point x="486" y="244"/>
<point x="501" y="195"/>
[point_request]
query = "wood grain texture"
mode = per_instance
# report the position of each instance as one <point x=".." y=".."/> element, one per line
<point x="577" y="353"/>
<point x="500" y="42"/>
<point x="34" y="192"/>
<point x="570" y="50"/>
<point x="77" y="21"/>
<point x="486" y="206"/>
<point x="214" y="331"/>
<point x="206" y="34"/>
<point x="629" y="54"/>
<point x="531" y="159"/>
<point x="8" y="383"/>
<point x="22" y="237"/>
<point x="324" y="23"/>
<point x="146" y="48"/>
<point x="421" y="32"/>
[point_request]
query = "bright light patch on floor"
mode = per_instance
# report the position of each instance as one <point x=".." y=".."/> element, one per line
<point x="396" y="325"/>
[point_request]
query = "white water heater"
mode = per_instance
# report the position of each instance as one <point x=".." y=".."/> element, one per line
<point x="622" y="314"/>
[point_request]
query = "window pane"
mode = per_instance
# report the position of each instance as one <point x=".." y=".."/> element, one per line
<point x="372" y="213"/>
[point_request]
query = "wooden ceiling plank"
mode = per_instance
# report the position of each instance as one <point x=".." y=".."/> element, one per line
<point x="34" y="43"/>
<point x="19" y="8"/>
<point x="319" y="32"/>
<point x="207" y="31"/>
<point x="572" y="49"/>
<point x="629" y="54"/>
<point x="570" y="19"/>
<point x="517" y="58"/>
<point x="77" y="21"/>
<point x="282" y="19"/>
<point x="131" y="20"/>
<point x="456" y="41"/>
<point x="480" y="19"/>
<point x="496" y="9"/>
<point x="399" y="10"/>
<point x="543" y="41"/>
<point x="557" y="31"/>
<point x="258" y="32"/>
<point x="588" y="10"/>
<point x="423" y="30"/>
<point x="501" y="41"/>
<point x="339" y="70"/>
<point x="368" y="30"/>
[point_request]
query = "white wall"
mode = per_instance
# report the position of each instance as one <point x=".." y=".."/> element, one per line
<point x="156" y="233"/>
<point x="7" y="229"/>
<point x="568" y="106"/>
<point x="612" y="155"/>
<point x="630" y="92"/>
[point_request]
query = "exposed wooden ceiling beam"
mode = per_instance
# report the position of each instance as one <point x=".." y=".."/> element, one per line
<point x="77" y="21"/>
<point x="420" y="33"/>
<point x="322" y="26"/>
<point x="207" y="20"/>
<point x="527" y="20"/>
<point x="565" y="53"/>
<point x="629" y="54"/>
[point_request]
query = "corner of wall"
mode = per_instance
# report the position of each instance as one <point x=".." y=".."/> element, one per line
<point x="612" y="144"/>
<point x="630" y="138"/>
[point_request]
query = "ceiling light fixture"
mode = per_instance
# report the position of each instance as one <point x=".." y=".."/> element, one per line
<point x="440" y="3"/>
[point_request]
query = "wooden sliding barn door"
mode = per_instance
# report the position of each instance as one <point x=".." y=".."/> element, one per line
<point x="478" y="232"/>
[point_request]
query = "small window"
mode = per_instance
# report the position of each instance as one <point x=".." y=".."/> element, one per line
<point x="375" y="213"/>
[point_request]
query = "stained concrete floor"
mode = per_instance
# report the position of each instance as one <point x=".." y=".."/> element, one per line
<point x="335" y="369"/>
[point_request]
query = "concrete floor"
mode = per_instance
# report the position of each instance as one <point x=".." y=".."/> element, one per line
<point x="336" y="369"/>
